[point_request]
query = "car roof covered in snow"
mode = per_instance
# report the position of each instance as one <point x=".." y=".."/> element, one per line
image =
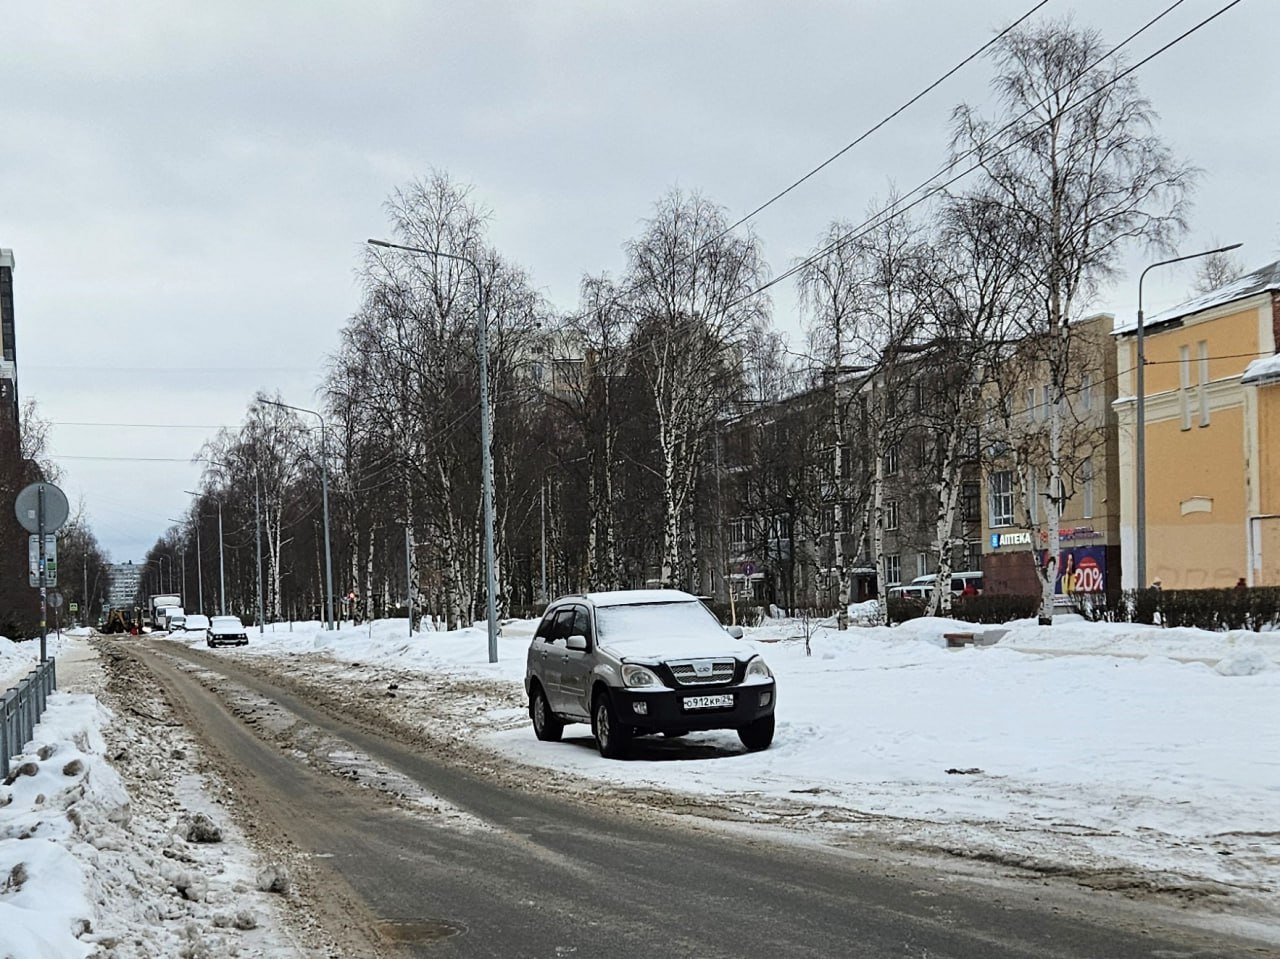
<point x="1259" y="281"/>
<point x="638" y="597"/>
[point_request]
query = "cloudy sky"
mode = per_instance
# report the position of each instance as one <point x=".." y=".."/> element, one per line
<point x="186" y="186"/>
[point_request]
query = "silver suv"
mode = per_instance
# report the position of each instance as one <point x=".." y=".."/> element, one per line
<point x="645" y="661"/>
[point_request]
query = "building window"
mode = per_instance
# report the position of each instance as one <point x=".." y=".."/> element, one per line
<point x="970" y="502"/>
<point x="891" y="461"/>
<point x="739" y="534"/>
<point x="1086" y="484"/>
<point x="1184" y="385"/>
<point x="972" y="556"/>
<point x="891" y="514"/>
<point x="1002" y="498"/>
<point x="922" y="564"/>
<point x="1031" y="402"/>
<point x="893" y="569"/>
<point x="1086" y="392"/>
<point x="1202" y="350"/>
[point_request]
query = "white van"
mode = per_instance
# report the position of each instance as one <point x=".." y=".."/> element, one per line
<point x="958" y="581"/>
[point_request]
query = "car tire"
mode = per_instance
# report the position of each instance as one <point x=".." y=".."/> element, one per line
<point x="757" y="735"/>
<point x="546" y="726"/>
<point x="613" y="739"/>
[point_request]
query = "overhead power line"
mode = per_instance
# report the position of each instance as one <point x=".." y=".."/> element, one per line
<point x="122" y="459"/>
<point x="897" y="209"/>
<point x="153" y="426"/>
<point x="849" y="146"/>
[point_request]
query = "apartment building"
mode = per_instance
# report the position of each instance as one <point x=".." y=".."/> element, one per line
<point x="1212" y="432"/>
<point x="1016" y="476"/>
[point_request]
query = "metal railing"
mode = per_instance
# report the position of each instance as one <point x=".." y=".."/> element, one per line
<point x="20" y="710"/>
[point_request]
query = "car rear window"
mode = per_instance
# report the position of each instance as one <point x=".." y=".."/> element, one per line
<point x="690" y="619"/>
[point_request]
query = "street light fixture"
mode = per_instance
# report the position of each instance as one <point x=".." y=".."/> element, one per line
<point x="324" y="487"/>
<point x="486" y="451"/>
<point x="1140" y="449"/>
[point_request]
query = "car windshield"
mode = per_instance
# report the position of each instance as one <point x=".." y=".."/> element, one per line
<point x="688" y="619"/>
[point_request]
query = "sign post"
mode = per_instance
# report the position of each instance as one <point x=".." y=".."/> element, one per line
<point x="42" y="509"/>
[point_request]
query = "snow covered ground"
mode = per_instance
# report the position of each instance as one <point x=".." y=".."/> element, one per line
<point x="113" y="844"/>
<point x="1130" y="756"/>
<point x="1123" y="756"/>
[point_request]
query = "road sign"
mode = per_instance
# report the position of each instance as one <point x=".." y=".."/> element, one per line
<point x="73" y="607"/>
<point x="56" y="508"/>
<point x="50" y="560"/>
<point x="55" y="599"/>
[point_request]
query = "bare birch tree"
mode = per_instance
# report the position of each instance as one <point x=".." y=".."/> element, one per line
<point x="689" y="283"/>
<point x="1073" y="155"/>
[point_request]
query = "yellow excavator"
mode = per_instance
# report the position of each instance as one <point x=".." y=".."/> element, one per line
<point x="123" y="620"/>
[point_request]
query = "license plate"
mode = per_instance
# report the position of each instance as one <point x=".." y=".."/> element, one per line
<point x="708" y="702"/>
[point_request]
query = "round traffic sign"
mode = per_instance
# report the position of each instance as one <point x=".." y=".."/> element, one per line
<point x="55" y="599"/>
<point x="56" y="508"/>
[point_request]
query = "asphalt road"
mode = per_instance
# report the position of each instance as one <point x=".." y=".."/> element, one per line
<point x="555" y="878"/>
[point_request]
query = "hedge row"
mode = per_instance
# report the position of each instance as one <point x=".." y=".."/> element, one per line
<point x="1236" y="608"/>
<point x="986" y="608"/>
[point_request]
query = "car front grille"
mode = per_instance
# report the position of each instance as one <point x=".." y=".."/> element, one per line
<point x="686" y="673"/>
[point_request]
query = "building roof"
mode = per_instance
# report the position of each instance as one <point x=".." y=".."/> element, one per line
<point x="1259" y="281"/>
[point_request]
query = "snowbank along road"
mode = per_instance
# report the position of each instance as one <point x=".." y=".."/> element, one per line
<point x="402" y="839"/>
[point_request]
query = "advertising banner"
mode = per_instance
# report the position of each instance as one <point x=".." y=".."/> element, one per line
<point x="1081" y="569"/>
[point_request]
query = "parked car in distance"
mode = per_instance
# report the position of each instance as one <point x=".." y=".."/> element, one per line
<point x="177" y="623"/>
<point x="917" y="592"/>
<point x="633" y="662"/>
<point x="958" y="581"/>
<point x="226" y="631"/>
<point x="196" y="623"/>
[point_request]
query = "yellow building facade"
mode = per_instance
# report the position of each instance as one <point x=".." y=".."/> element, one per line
<point x="1212" y="438"/>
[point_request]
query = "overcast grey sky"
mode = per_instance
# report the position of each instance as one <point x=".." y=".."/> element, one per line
<point x="186" y="186"/>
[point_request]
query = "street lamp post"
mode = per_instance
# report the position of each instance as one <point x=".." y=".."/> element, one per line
<point x="1140" y="447"/>
<point x="199" y="566"/>
<point x="222" y="565"/>
<point x="324" y="487"/>
<point x="257" y="541"/>
<point x="183" y="590"/>
<point x="486" y="451"/>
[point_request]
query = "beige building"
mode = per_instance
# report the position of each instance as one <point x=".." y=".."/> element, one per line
<point x="1014" y="535"/>
<point x="1212" y="437"/>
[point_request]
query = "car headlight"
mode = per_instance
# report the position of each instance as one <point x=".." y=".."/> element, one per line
<point x="758" y="668"/>
<point x="639" y="676"/>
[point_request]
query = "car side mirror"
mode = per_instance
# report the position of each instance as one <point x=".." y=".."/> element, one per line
<point x="734" y="631"/>
<point x="578" y="643"/>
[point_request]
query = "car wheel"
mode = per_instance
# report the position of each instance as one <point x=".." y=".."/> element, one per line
<point x="545" y="724"/>
<point x="757" y="735"/>
<point x="209" y="643"/>
<point x="613" y="739"/>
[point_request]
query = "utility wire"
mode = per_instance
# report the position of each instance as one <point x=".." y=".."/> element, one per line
<point x="618" y="296"/>
<point x="898" y="209"/>
<point x="157" y="426"/>
<point x="849" y="146"/>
